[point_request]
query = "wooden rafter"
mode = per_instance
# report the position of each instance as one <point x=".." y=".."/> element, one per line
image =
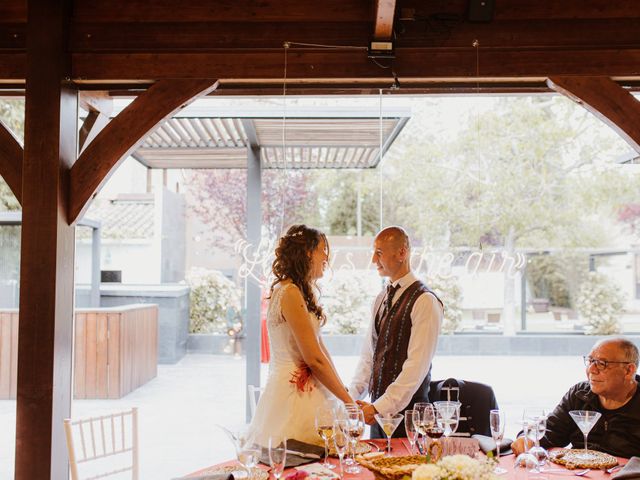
<point x="385" y="13"/>
<point x="11" y="153"/>
<point x="607" y="100"/>
<point x="124" y="133"/>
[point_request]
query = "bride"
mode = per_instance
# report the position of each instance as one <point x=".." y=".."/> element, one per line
<point x="302" y="376"/>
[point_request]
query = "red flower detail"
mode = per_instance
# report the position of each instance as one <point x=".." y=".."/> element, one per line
<point x="300" y="378"/>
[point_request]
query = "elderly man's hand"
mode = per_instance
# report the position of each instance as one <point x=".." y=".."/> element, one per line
<point x="369" y="411"/>
<point x="518" y="446"/>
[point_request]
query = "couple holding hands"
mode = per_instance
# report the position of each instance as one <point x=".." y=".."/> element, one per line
<point x="395" y="362"/>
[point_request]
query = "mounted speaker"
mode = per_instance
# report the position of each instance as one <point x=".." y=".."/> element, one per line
<point x="481" y="10"/>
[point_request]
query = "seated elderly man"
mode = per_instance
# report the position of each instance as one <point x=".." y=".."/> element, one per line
<point x="611" y="389"/>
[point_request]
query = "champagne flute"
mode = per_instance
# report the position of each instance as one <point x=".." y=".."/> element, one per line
<point x="347" y="407"/>
<point x="324" y="427"/>
<point x="340" y="440"/>
<point x="388" y="422"/>
<point x="277" y="456"/>
<point x="410" y="428"/>
<point x="355" y="423"/>
<point x="497" y="422"/>
<point x="585" y="419"/>
<point x="423" y="422"/>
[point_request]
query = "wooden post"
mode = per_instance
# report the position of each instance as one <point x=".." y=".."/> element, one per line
<point x="47" y="251"/>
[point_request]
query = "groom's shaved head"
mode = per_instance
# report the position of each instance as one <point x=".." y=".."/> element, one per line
<point x="396" y="236"/>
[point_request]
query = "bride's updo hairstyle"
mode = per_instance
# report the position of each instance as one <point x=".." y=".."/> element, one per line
<point x="293" y="262"/>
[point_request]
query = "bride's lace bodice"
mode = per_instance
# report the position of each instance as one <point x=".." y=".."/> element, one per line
<point x="284" y="349"/>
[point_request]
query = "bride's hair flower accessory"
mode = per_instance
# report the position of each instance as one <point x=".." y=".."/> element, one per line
<point x="294" y="234"/>
<point x="300" y="378"/>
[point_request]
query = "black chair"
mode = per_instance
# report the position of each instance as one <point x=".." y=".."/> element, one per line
<point x="477" y="401"/>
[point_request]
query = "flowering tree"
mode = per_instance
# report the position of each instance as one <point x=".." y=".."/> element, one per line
<point x="219" y="199"/>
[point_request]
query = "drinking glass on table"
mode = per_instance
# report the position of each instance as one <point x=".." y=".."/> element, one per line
<point x="526" y="460"/>
<point x="536" y="418"/>
<point x="277" y="456"/>
<point x="248" y="453"/>
<point x="388" y="422"/>
<point x="355" y="424"/>
<point x="324" y="427"/>
<point x="410" y="427"/>
<point x="448" y="416"/>
<point x="343" y="415"/>
<point x="423" y="421"/>
<point x="496" y="423"/>
<point x="340" y="441"/>
<point x="585" y="420"/>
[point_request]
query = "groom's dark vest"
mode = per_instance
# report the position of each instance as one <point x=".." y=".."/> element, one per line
<point x="390" y="350"/>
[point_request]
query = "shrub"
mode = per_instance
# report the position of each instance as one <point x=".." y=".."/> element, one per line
<point x="212" y="296"/>
<point x="600" y="304"/>
<point x="347" y="300"/>
<point x="449" y="291"/>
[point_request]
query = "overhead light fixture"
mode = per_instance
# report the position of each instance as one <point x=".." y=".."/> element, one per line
<point x="380" y="49"/>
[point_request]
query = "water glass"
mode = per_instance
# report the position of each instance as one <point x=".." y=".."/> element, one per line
<point x="410" y="427"/>
<point x="277" y="456"/>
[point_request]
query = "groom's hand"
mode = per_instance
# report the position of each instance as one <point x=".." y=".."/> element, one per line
<point x="369" y="411"/>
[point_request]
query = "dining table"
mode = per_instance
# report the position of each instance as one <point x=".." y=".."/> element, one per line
<point x="400" y="446"/>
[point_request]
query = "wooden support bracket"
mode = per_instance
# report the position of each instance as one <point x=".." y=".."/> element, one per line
<point x="606" y="100"/>
<point x="11" y="153"/>
<point x="124" y="133"/>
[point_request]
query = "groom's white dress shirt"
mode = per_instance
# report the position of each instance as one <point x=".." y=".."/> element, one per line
<point x="426" y="320"/>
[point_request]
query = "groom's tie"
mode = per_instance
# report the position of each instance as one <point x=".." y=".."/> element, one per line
<point x="391" y="291"/>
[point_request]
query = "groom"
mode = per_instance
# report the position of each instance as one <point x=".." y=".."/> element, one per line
<point x="395" y="363"/>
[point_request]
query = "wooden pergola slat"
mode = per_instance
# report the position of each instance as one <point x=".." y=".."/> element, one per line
<point x="11" y="160"/>
<point x="607" y="100"/>
<point x="125" y="132"/>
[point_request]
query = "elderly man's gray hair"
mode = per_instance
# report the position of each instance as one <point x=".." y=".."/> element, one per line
<point x="629" y="349"/>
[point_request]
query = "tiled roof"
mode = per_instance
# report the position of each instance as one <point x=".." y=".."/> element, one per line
<point x="126" y="217"/>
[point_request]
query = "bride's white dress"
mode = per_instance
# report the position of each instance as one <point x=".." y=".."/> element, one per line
<point x="286" y="409"/>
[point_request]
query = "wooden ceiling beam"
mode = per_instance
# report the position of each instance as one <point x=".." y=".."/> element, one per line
<point x="11" y="153"/>
<point x="125" y="132"/>
<point x="605" y="99"/>
<point x="384" y="18"/>
<point x="333" y="65"/>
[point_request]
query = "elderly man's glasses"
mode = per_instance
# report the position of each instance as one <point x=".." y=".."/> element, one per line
<point x="600" y="364"/>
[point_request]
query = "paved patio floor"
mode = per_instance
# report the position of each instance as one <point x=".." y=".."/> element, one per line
<point x="180" y="408"/>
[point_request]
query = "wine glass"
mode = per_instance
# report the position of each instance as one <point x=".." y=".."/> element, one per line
<point x="388" y="422"/>
<point x="526" y="460"/>
<point x="355" y="424"/>
<point x="248" y="453"/>
<point x="410" y="428"/>
<point x="537" y="421"/>
<point x="448" y="416"/>
<point x="324" y="427"/>
<point x="277" y="456"/>
<point x="340" y="441"/>
<point x="343" y="415"/>
<point x="585" y="419"/>
<point x="424" y="420"/>
<point x="496" y="422"/>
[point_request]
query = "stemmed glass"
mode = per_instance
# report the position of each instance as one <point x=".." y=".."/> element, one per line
<point x="585" y="419"/>
<point x="424" y="420"/>
<point x="324" y="427"/>
<point x="525" y="459"/>
<point x="410" y="427"/>
<point x="496" y="422"/>
<point x="448" y="416"/>
<point x="340" y="440"/>
<point x="355" y="424"/>
<point x="342" y="414"/>
<point x="536" y="418"/>
<point x="248" y="453"/>
<point x="388" y="422"/>
<point x="277" y="456"/>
